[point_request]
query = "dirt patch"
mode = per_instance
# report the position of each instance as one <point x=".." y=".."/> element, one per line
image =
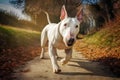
<point x="78" y="68"/>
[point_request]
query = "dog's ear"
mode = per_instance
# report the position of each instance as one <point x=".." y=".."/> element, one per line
<point x="63" y="13"/>
<point x="79" y="15"/>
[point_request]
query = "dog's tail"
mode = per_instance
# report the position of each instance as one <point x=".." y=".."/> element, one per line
<point x="48" y="18"/>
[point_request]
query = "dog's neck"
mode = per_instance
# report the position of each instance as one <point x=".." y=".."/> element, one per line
<point x="59" y="24"/>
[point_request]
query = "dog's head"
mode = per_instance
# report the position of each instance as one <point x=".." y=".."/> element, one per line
<point x="69" y="27"/>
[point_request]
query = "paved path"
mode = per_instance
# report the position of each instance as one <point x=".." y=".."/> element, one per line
<point x="79" y="68"/>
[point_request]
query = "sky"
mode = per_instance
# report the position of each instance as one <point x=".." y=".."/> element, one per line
<point x="90" y="1"/>
<point x="4" y="1"/>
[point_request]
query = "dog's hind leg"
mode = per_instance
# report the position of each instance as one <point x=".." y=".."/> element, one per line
<point x="42" y="53"/>
<point x="44" y="40"/>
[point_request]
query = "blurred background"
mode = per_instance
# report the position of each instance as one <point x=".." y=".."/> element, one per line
<point x="27" y="13"/>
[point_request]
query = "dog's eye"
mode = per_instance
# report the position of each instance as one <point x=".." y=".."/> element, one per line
<point x="76" y="26"/>
<point x="65" y="24"/>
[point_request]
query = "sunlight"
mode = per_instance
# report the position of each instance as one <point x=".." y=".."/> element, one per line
<point x="19" y="29"/>
<point x="14" y="12"/>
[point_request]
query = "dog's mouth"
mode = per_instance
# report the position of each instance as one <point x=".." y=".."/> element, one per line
<point x="70" y="42"/>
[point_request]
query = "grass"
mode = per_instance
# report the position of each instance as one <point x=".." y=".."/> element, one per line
<point x="15" y="37"/>
<point x="107" y="37"/>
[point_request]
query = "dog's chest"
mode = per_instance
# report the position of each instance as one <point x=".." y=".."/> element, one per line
<point x="60" y="45"/>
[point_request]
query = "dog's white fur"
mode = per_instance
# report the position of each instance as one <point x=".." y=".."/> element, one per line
<point x="58" y="35"/>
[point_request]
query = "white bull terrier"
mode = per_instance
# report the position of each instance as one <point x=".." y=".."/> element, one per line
<point x="60" y="35"/>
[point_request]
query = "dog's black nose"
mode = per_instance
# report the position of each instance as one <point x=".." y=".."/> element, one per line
<point x="70" y="42"/>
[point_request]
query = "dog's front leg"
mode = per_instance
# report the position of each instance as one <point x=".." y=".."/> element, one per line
<point x="52" y="53"/>
<point x="68" y="56"/>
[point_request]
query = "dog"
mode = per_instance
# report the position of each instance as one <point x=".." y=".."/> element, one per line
<point x="60" y="35"/>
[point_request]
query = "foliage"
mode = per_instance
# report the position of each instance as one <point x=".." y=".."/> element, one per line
<point x="18" y="3"/>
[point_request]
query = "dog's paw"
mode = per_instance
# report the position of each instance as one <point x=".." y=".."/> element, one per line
<point x="63" y="61"/>
<point x="56" y="57"/>
<point x="41" y="57"/>
<point x="57" y="71"/>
